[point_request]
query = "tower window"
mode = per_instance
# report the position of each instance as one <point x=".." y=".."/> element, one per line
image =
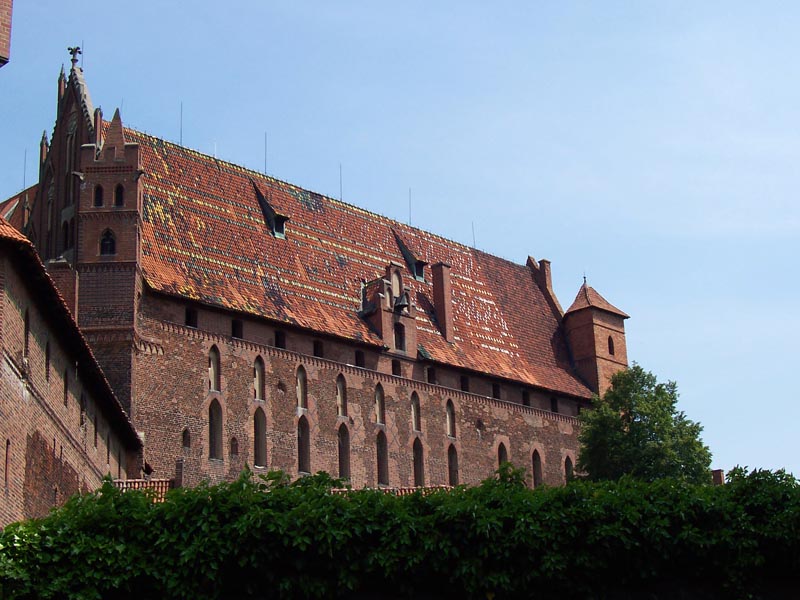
<point x="119" y="195"/>
<point x="303" y="446"/>
<point x="610" y="345"/>
<point x="415" y="416"/>
<point x="502" y="454"/>
<point x="451" y="419"/>
<point x="569" y="471"/>
<point x="341" y="396"/>
<point x="186" y="439"/>
<point x="399" y="337"/>
<point x="452" y="465"/>
<point x="108" y="243"/>
<point x="464" y="383"/>
<point x="526" y="398"/>
<point x="537" y="469"/>
<point x="554" y="405"/>
<point x="258" y="378"/>
<point x="344" y="452"/>
<point x="380" y="408"/>
<point x="431" y="375"/>
<point x="419" y="464"/>
<point x="234" y="450"/>
<point x="98" y="196"/>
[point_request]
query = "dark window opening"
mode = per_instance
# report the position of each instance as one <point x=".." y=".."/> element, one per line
<point x="234" y="447"/>
<point x="190" y="320"/>
<point x="98" y="196"/>
<point x="237" y="328"/>
<point x="399" y="337"/>
<point x="258" y="379"/>
<point x="419" y="270"/>
<point x="452" y="465"/>
<point x="344" y="452"/>
<point x="280" y="339"/>
<point x="416" y="421"/>
<point x="214" y="370"/>
<point x="186" y="439"/>
<point x="496" y="390"/>
<point x="341" y="396"/>
<point x="431" y="375"/>
<point x="526" y="398"/>
<point x="610" y="346"/>
<point x="419" y="464"/>
<point x="360" y="359"/>
<point x="303" y="446"/>
<point x="318" y="349"/>
<point x="502" y="455"/>
<point x="537" y="469"/>
<point x="215" y="430"/>
<point x="554" y="405"/>
<point x="7" y="462"/>
<point x="380" y="409"/>
<point x="259" y="438"/>
<point x="569" y="473"/>
<point x="464" y="383"/>
<point x="301" y="388"/>
<point x="396" y="369"/>
<point x="450" y="419"/>
<point x="83" y="409"/>
<point x="108" y="243"/>
<point x="119" y="195"/>
<point x="383" y="459"/>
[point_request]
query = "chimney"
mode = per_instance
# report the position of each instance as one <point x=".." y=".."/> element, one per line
<point x="543" y="279"/>
<point x="98" y="127"/>
<point x="443" y="299"/>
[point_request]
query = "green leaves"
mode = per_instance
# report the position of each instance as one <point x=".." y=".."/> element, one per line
<point x="264" y="537"/>
<point x="635" y="429"/>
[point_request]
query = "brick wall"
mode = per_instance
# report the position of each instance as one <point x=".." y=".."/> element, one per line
<point x="5" y="31"/>
<point x="171" y="393"/>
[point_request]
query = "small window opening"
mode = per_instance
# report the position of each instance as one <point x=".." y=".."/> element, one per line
<point x="280" y="339"/>
<point x="237" y="328"/>
<point x="416" y="423"/>
<point x="554" y="405"/>
<point x="215" y="430"/>
<point x="431" y="375"/>
<point x="452" y="465"/>
<point x="301" y="388"/>
<point x="234" y="447"/>
<point x="259" y="438"/>
<point x="258" y="379"/>
<point x="419" y="464"/>
<point x="303" y="446"/>
<point x="537" y="469"/>
<point x="419" y="270"/>
<point x="98" y="196"/>
<point x="383" y="459"/>
<point x="526" y="398"/>
<point x="502" y="454"/>
<point x="213" y="370"/>
<point x="318" y="349"/>
<point x="341" y="396"/>
<point x="569" y="472"/>
<point x="496" y="390"/>
<point x="450" y="419"/>
<point x="119" y="195"/>
<point x="396" y="368"/>
<point x="464" y="383"/>
<point x="190" y="319"/>
<point x="344" y="452"/>
<point x="360" y="362"/>
<point x="380" y="408"/>
<point x="610" y="345"/>
<point x="186" y="439"/>
<point x="108" y="243"/>
<point x="399" y="337"/>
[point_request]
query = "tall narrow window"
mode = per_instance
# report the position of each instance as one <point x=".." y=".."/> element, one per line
<point x="380" y="407"/>
<point x="119" y="195"/>
<point x="396" y="368"/>
<point x="27" y="343"/>
<point x="341" y="396"/>
<point x="383" y="459"/>
<point x="213" y="369"/>
<point x="502" y="454"/>
<point x="536" y="461"/>
<point x="610" y="345"/>
<point x="259" y="438"/>
<point x="47" y="361"/>
<point x="344" y="452"/>
<point x="108" y="243"/>
<point x="66" y="386"/>
<point x="186" y="439"/>
<point x="301" y="386"/>
<point x="83" y="409"/>
<point x="416" y="421"/>
<point x="568" y="470"/>
<point x="234" y="451"/>
<point x="451" y="419"/>
<point x="215" y="430"/>
<point x="399" y="337"/>
<point x="303" y="446"/>
<point x="258" y="378"/>
<point x="419" y="464"/>
<point x="452" y="465"/>
<point x="98" y="196"/>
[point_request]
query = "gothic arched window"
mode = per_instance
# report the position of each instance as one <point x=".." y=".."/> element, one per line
<point x="215" y="430"/>
<point x="259" y="438"/>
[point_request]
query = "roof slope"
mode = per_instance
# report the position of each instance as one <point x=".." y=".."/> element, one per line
<point x="589" y="298"/>
<point x="48" y="296"/>
<point x="204" y="237"/>
<point x="12" y="210"/>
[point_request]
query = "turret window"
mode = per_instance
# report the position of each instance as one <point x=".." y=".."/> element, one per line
<point x="108" y="243"/>
<point x="119" y="195"/>
<point x="98" y="196"/>
<point x="610" y="345"/>
<point x="258" y="379"/>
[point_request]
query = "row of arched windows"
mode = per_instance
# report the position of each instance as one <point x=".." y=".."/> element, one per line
<point x="119" y="196"/>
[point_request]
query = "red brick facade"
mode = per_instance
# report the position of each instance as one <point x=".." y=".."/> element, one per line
<point x="61" y="429"/>
<point x="205" y="288"/>
<point x="5" y="31"/>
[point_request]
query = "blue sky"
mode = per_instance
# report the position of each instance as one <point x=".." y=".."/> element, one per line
<point x="653" y="146"/>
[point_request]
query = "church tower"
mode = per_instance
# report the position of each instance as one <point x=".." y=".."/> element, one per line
<point x="596" y="336"/>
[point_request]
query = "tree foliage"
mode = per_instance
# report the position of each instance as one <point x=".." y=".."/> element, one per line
<point x="636" y="429"/>
<point x="269" y="538"/>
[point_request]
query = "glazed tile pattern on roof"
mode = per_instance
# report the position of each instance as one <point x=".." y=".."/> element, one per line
<point x="588" y="297"/>
<point x="205" y="238"/>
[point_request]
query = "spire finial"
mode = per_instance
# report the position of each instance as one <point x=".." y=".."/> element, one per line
<point x="584" y="278"/>
<point x="74" y="51"/>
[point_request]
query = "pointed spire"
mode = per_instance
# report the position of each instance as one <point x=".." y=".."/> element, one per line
<point x="44" y="148"/>
<point x="114" y="138"/>
<point x="589" y="298"/>
<point x="62" y="83"/>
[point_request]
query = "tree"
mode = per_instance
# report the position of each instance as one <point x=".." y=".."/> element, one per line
<point x="635" y="429"/>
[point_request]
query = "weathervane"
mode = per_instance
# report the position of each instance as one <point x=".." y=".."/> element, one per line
<point x="74" y="51"/>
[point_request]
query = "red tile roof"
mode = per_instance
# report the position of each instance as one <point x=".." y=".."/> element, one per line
<point x="11" y="210"/>
<point x="204" y="238"/>
<point x="588" y="297"/>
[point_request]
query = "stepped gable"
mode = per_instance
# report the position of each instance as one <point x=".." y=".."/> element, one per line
<point x="210" y="233"/>
<point x="589" y="298"/>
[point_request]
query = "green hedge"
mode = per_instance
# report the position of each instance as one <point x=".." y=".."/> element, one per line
<point x="497" y="540"/>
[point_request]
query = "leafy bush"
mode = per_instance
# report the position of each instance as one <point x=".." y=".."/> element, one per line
<point x="266" y="537"/>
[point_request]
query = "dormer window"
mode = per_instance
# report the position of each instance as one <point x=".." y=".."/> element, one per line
<point x="279" y="230"/>
<point x="419" y="270"/>
<point x="415" y="264"/>
<point x="272" y="219"/>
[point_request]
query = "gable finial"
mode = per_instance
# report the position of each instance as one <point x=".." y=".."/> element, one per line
<point x="74" y="51"/>
<point x="584" y="278"/>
